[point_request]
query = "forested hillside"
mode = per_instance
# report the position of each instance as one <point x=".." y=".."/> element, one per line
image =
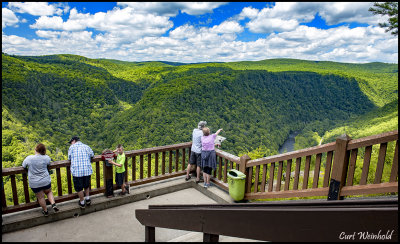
<point x="144" y="104"/>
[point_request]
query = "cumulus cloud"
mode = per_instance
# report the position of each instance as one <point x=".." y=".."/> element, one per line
<point x="125" y="23"/>
<point x="8" y="18"/>
<point x="286" y="16"/>
<point x="36" y="8"/>
<point x="139" y="32"/>
<point x="339" y="12"/>
<point x="171" y="9"/>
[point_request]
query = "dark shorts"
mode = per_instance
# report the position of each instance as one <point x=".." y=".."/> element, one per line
<point x="120" y="178"/>
<point x="81" y="183"/>
<point x="36" y="190"/>
<point x="195" y="158"/>
<point x="207" y="170"/>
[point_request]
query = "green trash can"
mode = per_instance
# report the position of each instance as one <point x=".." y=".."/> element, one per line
<point x="236" y="183"/>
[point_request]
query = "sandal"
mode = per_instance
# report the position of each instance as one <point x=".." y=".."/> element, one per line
<point x="197" y="181"/>
<point x="188" y="178"/>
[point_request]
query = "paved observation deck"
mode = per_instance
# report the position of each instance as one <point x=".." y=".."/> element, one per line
<point x="113" y="219"/>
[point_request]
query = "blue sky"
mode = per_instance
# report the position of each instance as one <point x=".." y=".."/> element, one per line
<point x="198" y="32"/>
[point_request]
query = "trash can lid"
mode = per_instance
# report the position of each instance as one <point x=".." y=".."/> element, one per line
<point x="236" y="174"/>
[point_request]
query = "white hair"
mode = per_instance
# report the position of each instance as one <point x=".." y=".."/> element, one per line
<point x="202" y="124"/>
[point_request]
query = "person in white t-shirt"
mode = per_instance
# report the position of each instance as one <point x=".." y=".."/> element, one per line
<point x="195" y="154"/>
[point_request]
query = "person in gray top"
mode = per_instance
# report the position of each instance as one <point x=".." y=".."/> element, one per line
<point x="195" y="154"/>
<point x="39" y="177"/>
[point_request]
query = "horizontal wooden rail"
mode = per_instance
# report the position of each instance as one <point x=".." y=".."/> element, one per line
<point x="290" y="155"/>
<point x="157" y="149"/>
<point x="372" y="140"/>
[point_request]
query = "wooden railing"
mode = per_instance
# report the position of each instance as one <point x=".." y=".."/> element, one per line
<point x="340" y="159"/>
<point x="165" y="162"/>
<point x="264" y="179"/>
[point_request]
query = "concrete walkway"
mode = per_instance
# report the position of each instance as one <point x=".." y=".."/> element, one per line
<point x="118" y="223"/>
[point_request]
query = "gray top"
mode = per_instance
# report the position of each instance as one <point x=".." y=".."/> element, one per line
<point x="196" y="140"/>
<point x="38" y="175"/>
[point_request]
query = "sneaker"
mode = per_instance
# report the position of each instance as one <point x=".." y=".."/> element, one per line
<point x="45" y="213"/>
<point x="81" y="205"/>
<point x="188" y="178"/>
<point x="55" y="208"/>
<point x="88" y="202"/>
<point x="205" y="185"/>
<point x="128" y="190"/>
<point x="122" y="193"/>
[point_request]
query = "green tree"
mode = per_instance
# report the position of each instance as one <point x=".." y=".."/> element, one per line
<point x="391" y="9"/>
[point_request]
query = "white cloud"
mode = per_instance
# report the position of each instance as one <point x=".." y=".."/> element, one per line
<point x="137" y="32"/>
<point x="340" y="12"/>
<point x="171" y="9"/>
<point x="8" y="18"/>
<point x="47" y="34"/>
<point x="44" y="22"/>
<point x="286" y="16"/>
<point x="36" y="8"/>
<point x="125" y="23"/>
<point x="227" y="27"/>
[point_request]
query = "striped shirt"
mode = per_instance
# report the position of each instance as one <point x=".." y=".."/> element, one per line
<point x="79" y="154"/>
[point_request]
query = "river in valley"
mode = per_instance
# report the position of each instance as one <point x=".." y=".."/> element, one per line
<point x="288" y="145"/>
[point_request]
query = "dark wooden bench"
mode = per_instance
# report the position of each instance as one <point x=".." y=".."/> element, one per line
<point x="316" y="220"/>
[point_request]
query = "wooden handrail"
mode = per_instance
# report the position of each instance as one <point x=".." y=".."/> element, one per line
<point x="372" y="140"/>
<point x="290" y="155"/>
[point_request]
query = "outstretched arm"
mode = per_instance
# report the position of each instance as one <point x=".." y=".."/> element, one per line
<point x="112" y="162"/>
<point x="218" y="131"/>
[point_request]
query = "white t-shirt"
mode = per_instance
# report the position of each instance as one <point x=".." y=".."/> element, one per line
<point x="196" y="140"/>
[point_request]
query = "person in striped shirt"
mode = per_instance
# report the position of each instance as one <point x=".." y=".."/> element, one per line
<point x="80" y="156"/>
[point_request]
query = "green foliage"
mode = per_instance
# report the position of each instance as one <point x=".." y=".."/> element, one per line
<point x="392" y="10"/>
<point x="49" y="99"/>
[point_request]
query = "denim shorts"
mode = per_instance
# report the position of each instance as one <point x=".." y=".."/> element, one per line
<point x="37" y="190"/>
<point x="195" y="158"/>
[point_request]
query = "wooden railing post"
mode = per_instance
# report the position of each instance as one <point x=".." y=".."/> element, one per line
<point x="242" y="168"/>
<point x="339" y="168"/>
<point x="108" y="179"/>
<point x="242" y="164"/>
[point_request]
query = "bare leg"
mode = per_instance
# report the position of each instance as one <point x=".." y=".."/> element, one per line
<point x="41" y="200"/>
<point x="123" y="188"/>
<point x="50" y="196"/>
<point x="87" y="192"/>
<point x="204" y="177"/>
<point x="81" y="196"/>
<point x="198" y="173"/>
<point x="188" y="171"/>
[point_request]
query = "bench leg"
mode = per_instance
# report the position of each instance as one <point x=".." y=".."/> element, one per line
<point x="150" y="235"/>
<point x="210" y="237"/>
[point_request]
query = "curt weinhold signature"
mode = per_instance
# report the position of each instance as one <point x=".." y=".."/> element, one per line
<point x="365" y="235"/>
